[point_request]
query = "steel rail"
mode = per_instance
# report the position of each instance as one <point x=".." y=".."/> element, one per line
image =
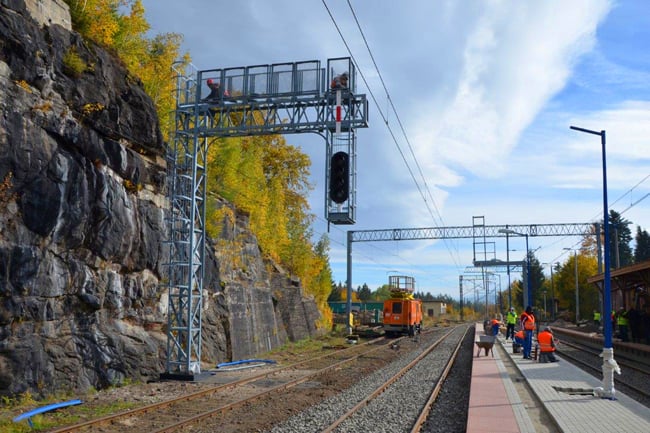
<point x="216" y="411"/>
<point x="621" y="360"/>
<point x="212" y="390"/>
<point x="387" y="384"/>
<point x="417" y="427"/>
<point x="598" y="369"/>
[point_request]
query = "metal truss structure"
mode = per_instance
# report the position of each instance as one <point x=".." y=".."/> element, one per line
<point x="285" y="98"/>
<point x="246" y="117"/>
<point x="470" y="232"/>
<point x="478" y="232"/>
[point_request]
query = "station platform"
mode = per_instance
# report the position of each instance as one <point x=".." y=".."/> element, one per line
<point x="496" y="406"/>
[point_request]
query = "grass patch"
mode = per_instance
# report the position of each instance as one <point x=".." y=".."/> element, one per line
<point x="305" y="347"/>
<point x="12" y="407"/>
<point x="73" y="64"/>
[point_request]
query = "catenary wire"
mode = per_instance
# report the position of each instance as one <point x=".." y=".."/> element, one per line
<point x="392" y="133"/>
<point x="319" y="233"/>
<point x="384" y="117"/>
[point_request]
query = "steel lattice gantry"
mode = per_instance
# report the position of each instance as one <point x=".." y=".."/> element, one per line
<point x="284" y="98"/>
<point x="469" y="232"/>
<point x="476" y="231"/>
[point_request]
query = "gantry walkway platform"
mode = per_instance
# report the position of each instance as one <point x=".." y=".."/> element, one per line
<point x="495" y="405"/>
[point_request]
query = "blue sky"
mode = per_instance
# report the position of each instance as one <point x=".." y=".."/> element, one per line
<point x="486" y="91"/>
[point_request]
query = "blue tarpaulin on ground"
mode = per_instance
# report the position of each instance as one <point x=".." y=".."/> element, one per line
<point x="245" y="361"/>
<point x="49" y="407"/>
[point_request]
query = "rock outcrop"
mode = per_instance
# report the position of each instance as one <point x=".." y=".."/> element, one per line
<point x="82" y="205"/>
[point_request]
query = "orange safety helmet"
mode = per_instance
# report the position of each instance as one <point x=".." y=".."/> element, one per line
<point x="209" y="80"/>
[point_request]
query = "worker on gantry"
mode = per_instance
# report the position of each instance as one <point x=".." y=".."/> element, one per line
<point x="340" y="81"/>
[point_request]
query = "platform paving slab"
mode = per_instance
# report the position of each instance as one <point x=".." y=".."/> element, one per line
<point x="575" y="412"/>
<point x="494" y="404"/>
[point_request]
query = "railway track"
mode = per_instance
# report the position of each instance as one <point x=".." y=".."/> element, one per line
<point x="394" y="386"/>
<point x="216" y="401"/>
<point x="396" y="399"/>
<point x="634" y="379"/>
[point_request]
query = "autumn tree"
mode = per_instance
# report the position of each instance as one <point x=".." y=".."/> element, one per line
<point x="120" y="26"/>
<point x="262" y="176"/>
<point x="642" y="249"/>
<point x="620" y="238"/>
<point x="517" y="291"/>
<point x="382" y="293"/>
<point x="97" y="20"/>
<point x="335" y="293"/>
<point x="589" y="243"/>
<point x="565" y="285"/>
<point x="321" y="284"/>
<point x="537" y="279"/>
<point x="364" y="292"/>
<point x="550" y="287"/>
<point x="424" y="296"/>
<point x="353" y="296"/>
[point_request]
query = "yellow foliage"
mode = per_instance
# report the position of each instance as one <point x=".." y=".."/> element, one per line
<point x="148" y="59"/>
<point x="344" y="296"/>
<point x="44" y="107"/>
<point x="131" y="186"/>
<point x="97" y="20"/>
<point x="23" y="84"/>
<point x="90" y="108"/>
<point x="263" y="176"/>
<point x="73" y="64"/>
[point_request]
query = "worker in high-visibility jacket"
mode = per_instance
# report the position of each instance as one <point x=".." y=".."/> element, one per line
<point x="546" y="343"/>
<point x="511" y="321"/>
<point x="621" y="322"/>
<point x="527" y="319"/>
<point x="596" y="318"/>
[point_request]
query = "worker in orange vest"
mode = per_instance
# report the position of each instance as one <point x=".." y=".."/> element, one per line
<point x="518" y="341"/>
<point x="519" y="337"/>
<point x="546" y="346"/>
<point x="528" y="325"/>
<point x="495" y="327"/>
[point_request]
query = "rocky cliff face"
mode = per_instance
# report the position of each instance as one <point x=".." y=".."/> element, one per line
<point x="82" y="222"/>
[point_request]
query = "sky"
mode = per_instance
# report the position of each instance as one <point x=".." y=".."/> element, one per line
<point x="484" y="92"/>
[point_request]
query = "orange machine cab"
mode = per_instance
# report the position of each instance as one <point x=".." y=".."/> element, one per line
<point x="402" y="312"/>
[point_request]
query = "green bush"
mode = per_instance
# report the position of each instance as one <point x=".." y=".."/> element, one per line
<point x="73" y="64"/>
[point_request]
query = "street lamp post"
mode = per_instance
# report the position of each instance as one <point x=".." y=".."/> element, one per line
<point x="575" y="259"/>
<point x="530" y="288"/>
<point x="528" y="295"/>
<point x="609" y="364"/>
<point x="551" y="313"/>
<point x="497" y="291"/>
<point x="508" y="264"/>
<point x="544" y="292"/>
<point x="552" y="293"/>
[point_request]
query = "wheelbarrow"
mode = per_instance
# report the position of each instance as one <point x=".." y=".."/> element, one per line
<point x="486" y="342"/>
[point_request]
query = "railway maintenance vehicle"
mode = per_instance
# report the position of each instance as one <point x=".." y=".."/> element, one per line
<point x="402" y="312"/>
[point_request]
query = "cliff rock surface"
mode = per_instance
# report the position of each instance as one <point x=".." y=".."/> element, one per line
<point x="82" y="206"/>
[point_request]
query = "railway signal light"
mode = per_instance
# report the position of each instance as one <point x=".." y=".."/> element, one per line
<point x="339" y="177"/>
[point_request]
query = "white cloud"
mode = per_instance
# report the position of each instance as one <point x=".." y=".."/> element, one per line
<point x="486" y="91"/>
<point x="512" y="66"/>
